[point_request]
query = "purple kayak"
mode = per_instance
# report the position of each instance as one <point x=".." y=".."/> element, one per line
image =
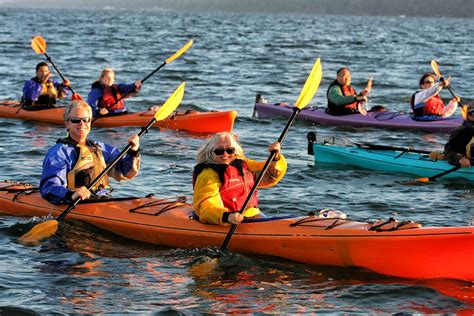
<point x="394" y="120"/>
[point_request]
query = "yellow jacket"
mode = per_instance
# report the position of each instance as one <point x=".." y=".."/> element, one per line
<point x="207" y="201"/>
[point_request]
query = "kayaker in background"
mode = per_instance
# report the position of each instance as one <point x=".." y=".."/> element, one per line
<point x="342" y="97"/>
<point x="106" y="96"/>
<point x="223" y="177"/>
<point x="459" y="150"/>
<point x="75" y="161"/>
<point x="41" y="92"/>
<point x="426" y="103"/>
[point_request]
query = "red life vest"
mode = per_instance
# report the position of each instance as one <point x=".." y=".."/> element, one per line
<point x="346" y="91"/>
<point x="237" y="181"/>
<point x="433" y="106"/>
<point x="110" y="95"/>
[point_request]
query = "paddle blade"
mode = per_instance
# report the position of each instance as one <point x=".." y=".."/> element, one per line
<point x="464" y="109"/>
<point x="179" y="52"/>
<point x="40" y="232"/>
<point x="171" y="104"/>
<point x="310" y="86"/>
<point x="369" y="85"/>
<point x="204" y="268"/>
<point x="434" y="66"/>
<point x="76" y="97"/>
<point x="38" y="44"/>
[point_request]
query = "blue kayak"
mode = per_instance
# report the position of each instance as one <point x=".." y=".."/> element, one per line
<point x="384" y="158"/>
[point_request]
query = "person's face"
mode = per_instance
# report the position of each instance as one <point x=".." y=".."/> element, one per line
<point x="344" y="78"/>
<point x="221" y="150"/>
<point x="108" y="79"/>
<point x="43" y="73"/>
<point x="78" y="129"/>
<point x="428" y="82"/>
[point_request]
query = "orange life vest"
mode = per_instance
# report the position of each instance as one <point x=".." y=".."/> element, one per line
<point x="110" y="95"/>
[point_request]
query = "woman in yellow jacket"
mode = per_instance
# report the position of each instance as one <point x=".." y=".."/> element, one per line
<point x="223" y="177"/>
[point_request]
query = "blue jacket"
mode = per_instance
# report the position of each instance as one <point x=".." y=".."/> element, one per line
<point x="33" y="87"/>
<point x="97" y="91"/>
<point x="62" y="158"/>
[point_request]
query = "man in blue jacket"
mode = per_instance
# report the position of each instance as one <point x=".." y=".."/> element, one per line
<point x="41" y="92"/>
<point x="75" y="161"/>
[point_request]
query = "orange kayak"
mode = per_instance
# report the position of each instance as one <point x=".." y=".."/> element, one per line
<point x="408" y="251"/>
<point x="198" y="122"/>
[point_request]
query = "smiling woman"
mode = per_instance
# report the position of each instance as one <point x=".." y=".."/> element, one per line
<point x="223" y="177"/>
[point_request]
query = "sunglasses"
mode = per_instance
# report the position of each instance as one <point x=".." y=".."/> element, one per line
<point x="470" y="112"/>
<point x="76" y="120"/>
<point x="429" y="81"/>
<point x="221" y="151"/>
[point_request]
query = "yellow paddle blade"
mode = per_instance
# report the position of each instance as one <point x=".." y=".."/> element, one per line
<point x="40" y="232"/>
<point x="38" y="44"/>
<point x="204" y="268"/>
<point x="310" y="86"/>
<point x="171" y="104"/>
<point x="434" y="66"/>
<point x="179" y="52"/>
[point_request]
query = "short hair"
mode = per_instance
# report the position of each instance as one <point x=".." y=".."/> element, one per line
<point x="76" y="104"/>
<point x="341" y="69"/>
<point x="41" y="64"/>
<point x="104" y="71"/>
<point x="426" y="75"/>
<point x="205" y="153"/>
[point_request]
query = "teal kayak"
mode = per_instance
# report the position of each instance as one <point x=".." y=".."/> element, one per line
<point x="384" y="158"/>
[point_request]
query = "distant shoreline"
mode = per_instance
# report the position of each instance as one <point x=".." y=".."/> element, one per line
<point x="409" y="8"/>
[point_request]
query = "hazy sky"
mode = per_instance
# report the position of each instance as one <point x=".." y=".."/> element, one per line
<point x="446" y="8"/>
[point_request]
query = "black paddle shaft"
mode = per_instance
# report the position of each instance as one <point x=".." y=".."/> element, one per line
<point x="439" y="175"/>
<point x="105" y="171"/>
<point x="233" y="227"/>
<point x="142" y="81"/>
<point x="450" y="90"/>
<point x="57" y="70"/>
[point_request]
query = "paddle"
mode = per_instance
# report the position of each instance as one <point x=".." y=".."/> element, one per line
<point x="39" y="46"/>
<point x="384" y="147"/>
<point x="49" y="228"/>
<point x="307" y="93"/>
<point x="360" y="105"/>
<point x="432" y="178"/>
<point x="434" y="66"/>
<point x="180" y="52"/>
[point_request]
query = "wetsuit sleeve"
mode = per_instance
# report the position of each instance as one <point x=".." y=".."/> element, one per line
<point x="53" y="183"/>
<point x="455" y="148"/>
<point x="93" y="99"/>
<point x="423" y="95"/>
<point x="274" y="174"/>
<point x="63" y="91"/>
<point x="126" y="88"/>
<point x="207" y="201"/>
<point x="126" y="168"/>
<point x="31" y="90"/>
<point x="337" y="98"/>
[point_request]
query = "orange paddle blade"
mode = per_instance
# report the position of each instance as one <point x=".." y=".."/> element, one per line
<point x="38" y="44"/>
<point x="76" y="96"/>
<point x="464" y="109"/>
<point x="434" y="66"/>
<point x="40" y="232"/>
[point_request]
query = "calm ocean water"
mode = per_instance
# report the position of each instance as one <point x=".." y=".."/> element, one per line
<point x="235" y="56"/>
